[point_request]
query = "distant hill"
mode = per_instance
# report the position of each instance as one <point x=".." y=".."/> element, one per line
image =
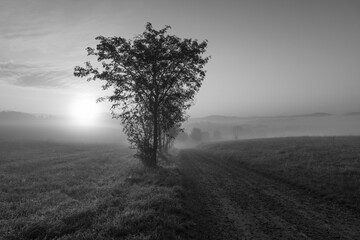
<point x="22" y="118"/>
<point x="221" y="118"/>
<point x="16" y="117"/>
<point x="353" y="114"/>
<point x="317" y="114"/>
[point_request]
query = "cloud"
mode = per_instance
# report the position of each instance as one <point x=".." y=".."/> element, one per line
<point x="27" y="28"/>
<point x="25" y="34"/>
<point x="34" y="76"/>
<point x="9" y="66"/>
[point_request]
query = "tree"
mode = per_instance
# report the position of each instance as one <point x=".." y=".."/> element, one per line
<point x="170" y="135"/>
<point x="153" y="79"/>
<point x="170" y="121"/>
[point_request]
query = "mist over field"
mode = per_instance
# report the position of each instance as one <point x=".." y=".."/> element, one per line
<point x="217" y="128"/>
<point x="23" y="126"/>
<point x="283" y="126"/>
<point x="15" y="126"/>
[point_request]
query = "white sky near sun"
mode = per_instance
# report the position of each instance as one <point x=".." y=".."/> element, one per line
<point x="269" y="57"/>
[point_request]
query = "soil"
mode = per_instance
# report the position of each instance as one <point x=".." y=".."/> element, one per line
<point x="231" y="202"/>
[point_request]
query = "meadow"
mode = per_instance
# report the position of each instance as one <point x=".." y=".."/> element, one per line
<point x="325" y="167"/>
<point x="63" y="191"/>
<point x="59" y="190"/>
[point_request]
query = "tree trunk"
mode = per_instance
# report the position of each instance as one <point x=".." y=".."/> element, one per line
<point x="160" y="139"/>
<point x="164" y="142"/>
<point x="153" y="159"/>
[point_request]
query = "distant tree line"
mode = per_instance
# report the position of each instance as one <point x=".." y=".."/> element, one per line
<point x="197" y="135"/>
<point x="235" y="132"/>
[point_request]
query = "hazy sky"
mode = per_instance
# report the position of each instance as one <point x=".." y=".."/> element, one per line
<point x="269" y="57"/>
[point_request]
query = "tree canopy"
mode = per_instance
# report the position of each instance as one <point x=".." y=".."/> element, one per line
<point x="153" y="79"/>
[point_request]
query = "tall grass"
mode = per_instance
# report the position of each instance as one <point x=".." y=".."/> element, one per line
<point x="67" y="191"/>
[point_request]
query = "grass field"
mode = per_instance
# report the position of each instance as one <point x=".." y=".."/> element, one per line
<point x="84" y="191"/>
<point x="328" y="167"/>
<point x="93" y="191"/>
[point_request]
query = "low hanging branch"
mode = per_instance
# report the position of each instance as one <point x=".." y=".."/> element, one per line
<point x="154" y="80"/>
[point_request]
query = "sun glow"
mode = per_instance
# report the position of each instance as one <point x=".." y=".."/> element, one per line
<point x="84" y="112"/>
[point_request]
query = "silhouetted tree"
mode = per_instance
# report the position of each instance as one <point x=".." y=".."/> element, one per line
<point x="196" y="134"/>
<point x="151" y="77"/>
<point x="171" y="117"/>
<point x="170" y="135"/>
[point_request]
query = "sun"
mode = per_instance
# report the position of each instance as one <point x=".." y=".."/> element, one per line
<point x="84" y="112"/>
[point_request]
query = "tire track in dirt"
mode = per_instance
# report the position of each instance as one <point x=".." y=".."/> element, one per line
<point x="229" y="201"/>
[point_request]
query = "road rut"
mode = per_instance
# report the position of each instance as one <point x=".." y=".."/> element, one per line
<point x="229" y="201"/>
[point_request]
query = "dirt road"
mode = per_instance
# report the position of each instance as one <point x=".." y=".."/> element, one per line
<point x="232" y="202"/>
